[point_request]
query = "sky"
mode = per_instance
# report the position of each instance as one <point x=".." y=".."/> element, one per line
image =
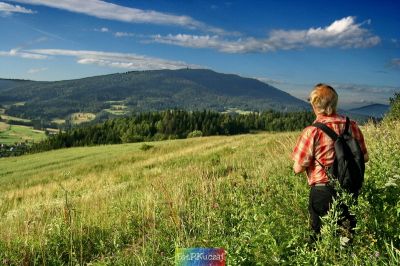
<point x="292" y="45"/>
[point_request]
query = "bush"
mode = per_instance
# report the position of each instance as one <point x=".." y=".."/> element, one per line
<point x="394" y="112"/>
<point x="195" y="134"/>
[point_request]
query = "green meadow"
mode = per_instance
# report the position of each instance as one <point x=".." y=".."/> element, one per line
<point x="133" y="204"/>
<point x="10" y="134"/>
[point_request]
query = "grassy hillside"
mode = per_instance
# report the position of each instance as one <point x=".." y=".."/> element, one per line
<point x="132" y="204"/>
<point x="10" y="134"/>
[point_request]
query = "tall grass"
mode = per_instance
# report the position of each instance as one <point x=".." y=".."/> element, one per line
<point x="132" y="205"/>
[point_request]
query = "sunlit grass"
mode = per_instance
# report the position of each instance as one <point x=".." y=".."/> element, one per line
<point x="132" y="204"/>
<point x="16" y="133"/>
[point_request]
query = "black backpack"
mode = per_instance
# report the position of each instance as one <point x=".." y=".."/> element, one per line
<point x="349" y="166"/>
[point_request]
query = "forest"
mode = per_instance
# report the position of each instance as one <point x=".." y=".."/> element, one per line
<point x="174" y="124"/>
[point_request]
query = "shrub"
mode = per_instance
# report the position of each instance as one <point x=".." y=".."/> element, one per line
<point x="195" y="134"/>
<point x="394" y="112"/>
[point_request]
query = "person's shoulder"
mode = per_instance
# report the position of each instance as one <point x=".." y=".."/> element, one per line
<point x="354" y="126"/>
<point x="309" y="131"/>
<point x="343" y="118"/>
<point x="352" y="121"/>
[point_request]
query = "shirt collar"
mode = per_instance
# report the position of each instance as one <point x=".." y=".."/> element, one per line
<point x="322" y="117"/>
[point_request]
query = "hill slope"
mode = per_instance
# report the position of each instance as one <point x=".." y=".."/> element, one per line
<point x="188" y="89"/>
<point x="9" y="83"/>
<point x="131" y="204"/>
<point x="372" y="110"/>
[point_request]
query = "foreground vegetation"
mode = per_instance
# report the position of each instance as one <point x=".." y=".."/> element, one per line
<point x="132" y="204"/>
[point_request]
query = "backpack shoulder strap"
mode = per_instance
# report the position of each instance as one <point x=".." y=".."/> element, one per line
<point x="332" y="134"/>
<point x="346" y="129"/>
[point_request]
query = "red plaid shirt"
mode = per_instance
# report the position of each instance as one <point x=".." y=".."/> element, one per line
<point x="313" y="144"/>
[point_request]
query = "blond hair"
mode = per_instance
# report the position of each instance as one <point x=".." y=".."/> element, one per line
<point x="324" y="99"/>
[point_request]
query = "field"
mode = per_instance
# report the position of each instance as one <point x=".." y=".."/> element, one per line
<point x="78" y="118"/>
<point x="58" y="121"/>
<point x="10" y="134"/>
<point x="4" y="126"/>
<point x="117" y="109"/>
<point x="13" y="118"/>
<point x="133" y="204"/>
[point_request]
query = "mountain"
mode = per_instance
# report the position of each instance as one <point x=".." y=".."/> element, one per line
<point x="372" y="110"/>
<point x="121" y="93"/>
<point x="8" y="83"/>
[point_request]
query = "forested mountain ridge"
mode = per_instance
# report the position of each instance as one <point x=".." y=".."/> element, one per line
<point x="189" y="89"/>
<point x="372" y="110"/>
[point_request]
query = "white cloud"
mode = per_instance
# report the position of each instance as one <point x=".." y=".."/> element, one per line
<point x="105" y="59"/>
<point x="116" y="34"/>
<point x="115" y="60"/>
<point x="17" y="52"/>
<point x="8" y="9"/>
<point x="105" y="10"/>
<point x="36" y="70"/>
<point x="366" y="89"/>
<point x="343" y="33"/>
<point x="269" y="81"/>
<point x="124" y="34"/>
<point x="102" y="29"/>
<point x="215" y="42"/>
<point x="395" y="42"/>
<point x="395" y="63"/>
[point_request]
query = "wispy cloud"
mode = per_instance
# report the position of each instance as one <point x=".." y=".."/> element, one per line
<point x="214" y="42"/>
<point x="343" y="33"/>
<point x="36" y="70"/>
<point x="395" y="42"/>
<point x="115" y="60"/>
<point x="395" y="63"/>
<point x="103" y="29"/>
<point x="106" y="10"/>
<point x="359" y="88"/>
<point x="8" y="9"/>
<point x="117" y="34"/>
<point x="351" y="95"/>
<point x="48" y="34"/>
<point x="17" y="52"/>
<point x="99" y="58"/>
<point x="269" y="81"/>
<point x="124" y="34"/>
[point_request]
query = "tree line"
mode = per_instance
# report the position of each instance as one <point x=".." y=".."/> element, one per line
<point x="174" y="124"/>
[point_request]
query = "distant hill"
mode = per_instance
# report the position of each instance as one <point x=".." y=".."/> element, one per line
<point x="8" y="83"/>
<point x="122" y="93"/>
<point x="372" y="110"/>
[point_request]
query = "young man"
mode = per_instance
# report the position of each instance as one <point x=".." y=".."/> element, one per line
<point x="314" y="147"/>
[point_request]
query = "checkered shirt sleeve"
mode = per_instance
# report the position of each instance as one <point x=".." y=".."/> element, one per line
<point x="303" y="153"/>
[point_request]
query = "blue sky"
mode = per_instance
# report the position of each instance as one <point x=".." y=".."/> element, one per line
<point x="292" y="45"/>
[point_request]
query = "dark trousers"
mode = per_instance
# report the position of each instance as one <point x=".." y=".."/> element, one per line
<point x="320" y="200"/>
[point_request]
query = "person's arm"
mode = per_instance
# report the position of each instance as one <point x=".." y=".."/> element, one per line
<point x="297" y="168"/>
<point x="366" y="157"/>
<point x="303" y="151"/>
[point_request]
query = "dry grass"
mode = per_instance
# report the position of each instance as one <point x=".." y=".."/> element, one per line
<point x="120" y="204"/>
<point x="4" y="126"/>
<point x="78" y="118"/>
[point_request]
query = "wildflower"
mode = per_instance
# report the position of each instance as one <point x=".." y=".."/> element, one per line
<point x="344" y="240"/>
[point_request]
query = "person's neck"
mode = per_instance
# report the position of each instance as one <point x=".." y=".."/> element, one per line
<point x="325" y="115"/>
